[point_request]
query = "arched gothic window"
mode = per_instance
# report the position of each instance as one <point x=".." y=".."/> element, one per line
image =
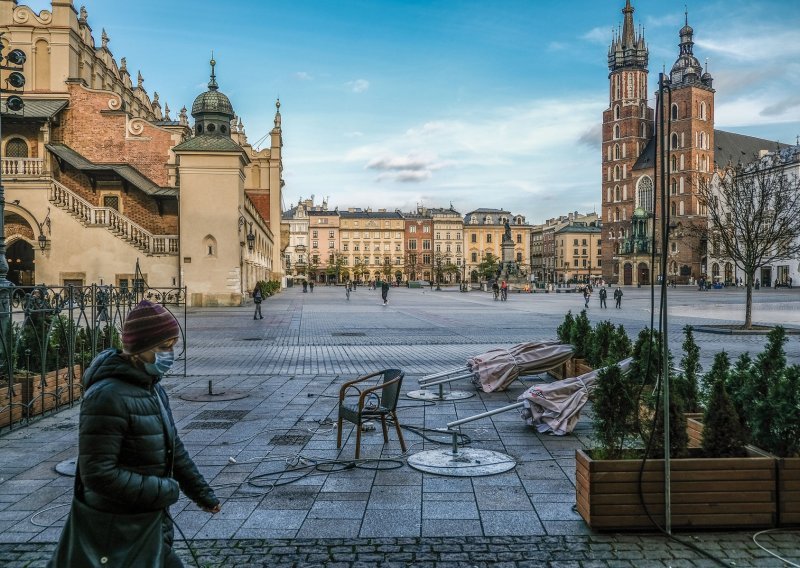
<point x="644" y="193"/>
<point x="210" y="245"/>
<point x="702" y="110"/>
<point x="616" y="152"/>
<point x="674" y="141"/>
<point x="616" y="131"/>
<point x="674" y="112"/>
<point x="616" y="112"/>
<point x="616" y="193"/>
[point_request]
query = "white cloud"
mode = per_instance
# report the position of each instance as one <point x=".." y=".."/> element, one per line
<point x="598" y="35"/>
<point x="358" y="86"/>
<point x="303" y="76"/>
<point x="753" y="44"/>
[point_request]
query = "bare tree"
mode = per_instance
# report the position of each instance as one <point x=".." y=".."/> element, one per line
<point x="754" y="215"/>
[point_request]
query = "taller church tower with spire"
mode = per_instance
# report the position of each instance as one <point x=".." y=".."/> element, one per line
<point x="627" y="127"/>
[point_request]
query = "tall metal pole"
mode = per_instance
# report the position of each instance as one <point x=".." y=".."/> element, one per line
<point x="663" y="88"/>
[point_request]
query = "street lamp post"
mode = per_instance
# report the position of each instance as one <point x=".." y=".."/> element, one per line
<point x="14" y="61"/>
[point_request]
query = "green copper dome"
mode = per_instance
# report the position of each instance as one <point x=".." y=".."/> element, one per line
<point x="212" y="101"/>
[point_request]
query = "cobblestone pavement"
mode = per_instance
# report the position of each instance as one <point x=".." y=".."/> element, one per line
<point x="280" y="511"/>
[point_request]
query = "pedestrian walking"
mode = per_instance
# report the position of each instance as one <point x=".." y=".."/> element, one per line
<point x="311" y="286"/>
<point x="504" y="291"/>
<point x="587" y="294"/>
<point x="132" y="464"/>
<point x="618" y="297"/>
<point x="347" y="290"/>
<point x="385" y="292"/>
<point x="603" y="295"/>
<point x="257" y="298"/>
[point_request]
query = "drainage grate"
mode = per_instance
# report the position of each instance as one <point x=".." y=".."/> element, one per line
<point x="349" y="334"/>
<point x="208" y="425"/>
<point x="290" y="439"/>
<point x="232" y="415"/>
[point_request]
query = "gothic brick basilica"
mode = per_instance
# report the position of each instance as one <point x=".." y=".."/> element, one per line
<point x="631" y="157"/>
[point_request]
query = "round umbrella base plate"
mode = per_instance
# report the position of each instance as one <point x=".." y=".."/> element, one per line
<point x="216" y="397"/>
<point x="434" y="395"/>
<point x="67" y="467"/>
<point x="468" y="462"/>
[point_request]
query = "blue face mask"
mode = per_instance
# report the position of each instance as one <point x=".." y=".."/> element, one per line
<point x="162" y="364"/>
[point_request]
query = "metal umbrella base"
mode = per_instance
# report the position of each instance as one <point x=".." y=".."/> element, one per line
<point x="431" y="395"/>
<point x="467" y="462"/>
<point x="212" y="396"/>
<point x="67" y="467"/>
<point x="464" y="462"/>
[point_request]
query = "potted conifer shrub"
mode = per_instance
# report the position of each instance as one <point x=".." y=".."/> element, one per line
<point x="620" y="484"/>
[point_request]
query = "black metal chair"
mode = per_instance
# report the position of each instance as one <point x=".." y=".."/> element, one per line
<point x="376" y="401"/>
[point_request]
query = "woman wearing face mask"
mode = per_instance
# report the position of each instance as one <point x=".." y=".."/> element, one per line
<point x="131" y="461"/>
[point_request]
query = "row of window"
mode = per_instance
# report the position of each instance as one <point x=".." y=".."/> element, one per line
<point x="489" y="220"/>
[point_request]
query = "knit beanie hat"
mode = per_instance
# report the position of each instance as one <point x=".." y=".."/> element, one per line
<point x="148" y="325"/>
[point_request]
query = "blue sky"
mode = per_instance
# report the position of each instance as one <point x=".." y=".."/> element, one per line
<point x="482" y="104"/>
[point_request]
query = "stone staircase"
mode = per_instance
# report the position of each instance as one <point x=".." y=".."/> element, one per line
<point x="111" y="219"/>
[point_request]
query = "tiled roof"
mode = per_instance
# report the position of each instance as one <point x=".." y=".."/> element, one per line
<point x="36" y="108"/>
<point x="370" y="215"/>
<point x="730" y="147"/>
<point x="208" y="143"/>
<point x="578" y="229"/>
<point x="125" y="171"/>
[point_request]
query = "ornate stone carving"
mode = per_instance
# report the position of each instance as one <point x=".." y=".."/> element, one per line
<point x="123" y="65"/>
<point x="84" y="15"/>
<point x="104" y="39"/>
<point x="136" y="126"/>
<point x="22" y="14"/>
<point x="115" y="102"/>
<point x="139" y="81"/>
<point x="183" y="118"/>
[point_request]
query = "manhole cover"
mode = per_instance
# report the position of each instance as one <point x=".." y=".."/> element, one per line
<point x="349" y="334"/>
<point x="290" y="439"/>
<point x="232" y="415"/>
<point x="208" y="425"/>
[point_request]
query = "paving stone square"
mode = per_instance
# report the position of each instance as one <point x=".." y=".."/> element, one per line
<point x="279" y="509"/>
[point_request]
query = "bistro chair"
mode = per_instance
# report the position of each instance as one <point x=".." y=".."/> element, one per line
<point x="376" y="401"/>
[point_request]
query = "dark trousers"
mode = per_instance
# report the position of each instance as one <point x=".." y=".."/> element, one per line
<point x="619" y="303"/>
<point x="385" y="295"/>
<point x="603" y="302"/>
<point x="257" y="313"/>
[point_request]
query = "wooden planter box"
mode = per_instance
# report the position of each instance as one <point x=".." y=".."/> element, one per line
<point x="788" y="491"/>
<point x="572" y="368"/>
<point x="32" y="398"/>
<point x="707" y="493"/>
<point x="694" y="427"/>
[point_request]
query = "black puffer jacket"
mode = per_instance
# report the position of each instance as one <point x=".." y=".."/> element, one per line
<point x="123" y="455"/>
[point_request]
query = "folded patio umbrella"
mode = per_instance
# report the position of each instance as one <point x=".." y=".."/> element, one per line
<point x="555" y="407"/>
<point x="495" y="370"/>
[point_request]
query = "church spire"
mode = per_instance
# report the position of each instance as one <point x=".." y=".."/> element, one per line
<point x="628" y="38"/>
<point x="212" y="84"/>
<point x="628" y="49"/>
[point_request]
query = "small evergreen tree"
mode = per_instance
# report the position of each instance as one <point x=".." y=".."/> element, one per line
<point x="601" y="343"/>
<point x="581" y="335"/>
<point x="737" y="386"/>
<point x="620" y="347"/>
<point x="614" y="408"/>
<point x="678" y="434"/>
<point x="784" y="400"/>
<point x="722" y="432"/>
<point x="564" y="331"/>
<point x="687" y="383"/>
<point x="767" y="369"/>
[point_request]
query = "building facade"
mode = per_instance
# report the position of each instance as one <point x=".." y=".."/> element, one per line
<point x="632" y="169"/>
<point x="95" y="166"/>
<point x="372" y="244"/>
<point x="578" y="252"/>
<point x="483" y="235"/>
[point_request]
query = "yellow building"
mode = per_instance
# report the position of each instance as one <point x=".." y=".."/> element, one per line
<point x="372" y="244"/>
<point x="483" y="234"/>
<point x="577" y="252"/>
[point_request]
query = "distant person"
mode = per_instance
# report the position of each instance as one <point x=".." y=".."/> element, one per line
<point x="603" y="295"/>
<point x="495" y="290"/>
<point x="504" y="291"/>
<point x="311" y="286"/>
<point x="385" y="292"/>
<point x="587" y="294"/>
<point x="257" y="298"/>
<point x="618" y="297"/>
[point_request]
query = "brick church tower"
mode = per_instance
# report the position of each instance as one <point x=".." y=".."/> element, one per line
<point x="690" y="108"/>
<point x="627" y="128"/>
